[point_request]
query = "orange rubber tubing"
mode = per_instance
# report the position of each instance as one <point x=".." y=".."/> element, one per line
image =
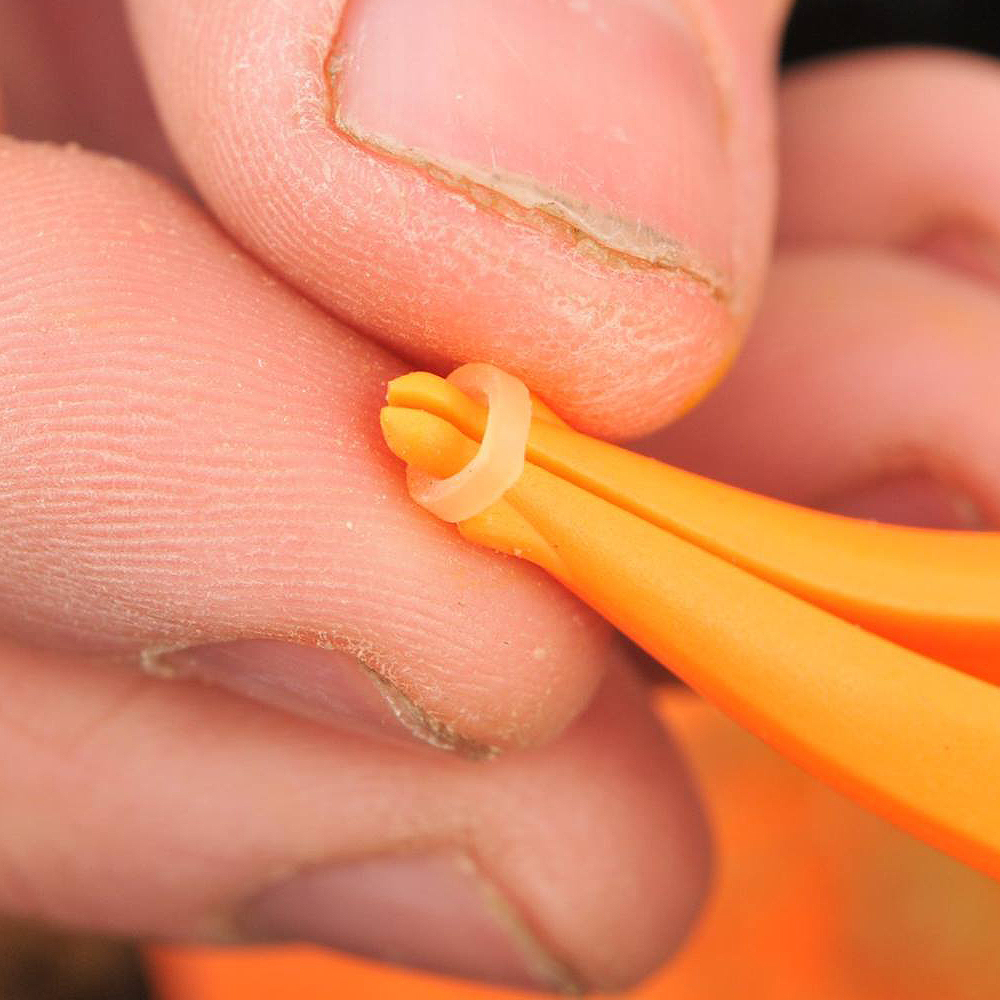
<point x="706" y="579"/>
<point x="937" y="592"/>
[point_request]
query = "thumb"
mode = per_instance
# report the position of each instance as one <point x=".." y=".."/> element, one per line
<point x="578" y="190"/>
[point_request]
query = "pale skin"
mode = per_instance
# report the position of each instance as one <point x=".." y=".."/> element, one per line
<point x="192" y="477"/>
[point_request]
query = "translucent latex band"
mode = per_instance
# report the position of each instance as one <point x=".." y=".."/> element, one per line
<point x="500" y="460"/>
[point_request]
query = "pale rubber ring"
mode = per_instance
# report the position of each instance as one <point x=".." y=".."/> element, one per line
<point x="500" y="460"/>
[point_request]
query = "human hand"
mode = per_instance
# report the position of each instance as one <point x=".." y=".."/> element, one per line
<point x="193" y="475"/>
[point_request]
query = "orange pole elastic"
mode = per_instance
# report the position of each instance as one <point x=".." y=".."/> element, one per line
<point x="914" y="739"/>
<point x="937" y="592"/>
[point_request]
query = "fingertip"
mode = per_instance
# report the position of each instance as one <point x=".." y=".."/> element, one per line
<point x="233" y="483"/>
<point x="578" y="865"/>
<point x="846" y="342"/>
<point x="603" y="242"/>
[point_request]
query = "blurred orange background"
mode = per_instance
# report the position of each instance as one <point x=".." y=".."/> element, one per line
<point x="815" y="899"/>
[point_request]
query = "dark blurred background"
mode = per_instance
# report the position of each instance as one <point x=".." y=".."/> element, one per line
<point x="39" y="965"/>
<point x="818" y="27"/>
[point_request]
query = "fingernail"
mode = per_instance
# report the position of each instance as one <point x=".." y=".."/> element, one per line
<point x="599" y="117"/>
<point x="431" y="912"/>
<point x="330" y="686"/>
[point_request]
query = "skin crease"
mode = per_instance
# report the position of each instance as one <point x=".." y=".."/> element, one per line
<point x="161" y="486"/>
